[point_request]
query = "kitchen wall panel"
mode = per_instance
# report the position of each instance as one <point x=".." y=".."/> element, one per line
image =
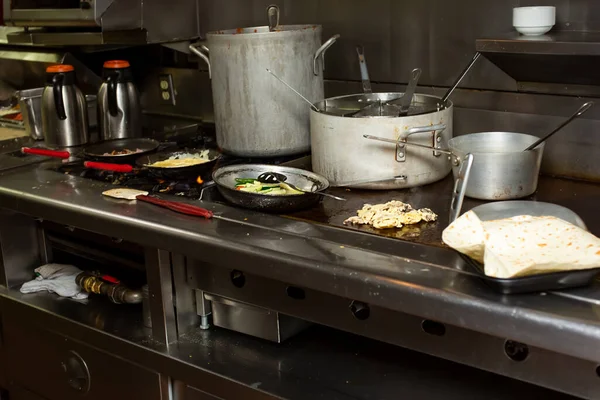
<point x="439" y="37"/>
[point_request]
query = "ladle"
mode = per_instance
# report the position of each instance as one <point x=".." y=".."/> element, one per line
<point x="577" y="114"/>
<point x="460" y="78"/>
<point x="294" y="90"/>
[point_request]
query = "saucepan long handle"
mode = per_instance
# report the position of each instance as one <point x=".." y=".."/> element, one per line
<point x="392" y="141"/>
<point x="460" y="187"/>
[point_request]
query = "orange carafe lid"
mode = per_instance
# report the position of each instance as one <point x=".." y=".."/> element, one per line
<point x="116" y="64"/>
<point x="60" y="68"/>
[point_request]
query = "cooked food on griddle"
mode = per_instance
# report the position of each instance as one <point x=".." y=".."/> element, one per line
<point x="523" y="245"/>
<point x="273" y="189"/>
<point x="393" y="214"/>
<point x="182" y="160"/>
<point x="123" y="152"/>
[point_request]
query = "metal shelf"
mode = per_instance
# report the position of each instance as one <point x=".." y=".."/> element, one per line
<point x="557" y="63"/>
<point x="556" y="44"/>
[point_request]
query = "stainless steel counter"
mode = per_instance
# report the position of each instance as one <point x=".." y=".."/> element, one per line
<point x="397" y="275"/>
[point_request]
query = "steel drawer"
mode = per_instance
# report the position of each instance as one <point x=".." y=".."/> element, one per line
<point x="58" y="368"/>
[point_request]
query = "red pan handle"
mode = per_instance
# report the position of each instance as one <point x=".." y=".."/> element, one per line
<point x="46" y="152"/>
<point x="108" y="166"/>
<point x="177" y="207"/>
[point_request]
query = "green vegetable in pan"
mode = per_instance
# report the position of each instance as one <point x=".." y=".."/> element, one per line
<point x="273" y="189"/>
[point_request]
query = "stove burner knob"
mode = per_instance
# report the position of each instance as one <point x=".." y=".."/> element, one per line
<point x="77" y="372"/>
<point x="516" y="351"/>
<point x="360" y="310"/>
<point x="238" y="278"/>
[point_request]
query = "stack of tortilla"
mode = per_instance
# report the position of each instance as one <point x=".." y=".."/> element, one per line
<point x="523" y="245"/>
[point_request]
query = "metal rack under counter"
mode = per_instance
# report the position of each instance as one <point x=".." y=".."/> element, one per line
<point x="320" y="363"/>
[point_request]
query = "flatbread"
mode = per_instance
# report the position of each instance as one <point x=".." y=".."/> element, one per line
<point x="124" y="193"/>
<point x="523" y="245"/>
<point x="466" y="236"/>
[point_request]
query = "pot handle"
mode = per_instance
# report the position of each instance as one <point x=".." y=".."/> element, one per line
<point x="59" y="104"/>
<point x="435" y="141"/>
<point x="203" y="53"/>
<point x="320" y="53"/>
<point x="460" y="187"/>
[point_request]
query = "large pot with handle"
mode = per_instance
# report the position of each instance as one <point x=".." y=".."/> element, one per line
<point x="341" y="154"/>
<point x="255" y="116"/>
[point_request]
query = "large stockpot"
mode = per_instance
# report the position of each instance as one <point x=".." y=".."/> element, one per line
<point x="256" y="116"/>
<point x="501" y="169"/>
<point x="342" y="155"/>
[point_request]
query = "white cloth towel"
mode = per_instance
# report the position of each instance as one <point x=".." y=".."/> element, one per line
<point x="56" y="278"/>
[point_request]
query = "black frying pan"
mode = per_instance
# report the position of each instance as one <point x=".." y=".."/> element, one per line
<point x="101" y="151"/>
<point x="146" y="162"/>
<point x="225" y="178"/>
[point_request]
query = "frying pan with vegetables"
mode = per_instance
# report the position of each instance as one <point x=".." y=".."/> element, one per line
<point x="267" y="197"/>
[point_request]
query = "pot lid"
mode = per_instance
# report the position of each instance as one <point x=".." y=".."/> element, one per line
<point x="115" y="64"/>
<point x="380" y="105"/>
<point x="53" y="69"/>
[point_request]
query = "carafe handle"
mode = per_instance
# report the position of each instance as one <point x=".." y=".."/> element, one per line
<point x="57" y="87"/>
<point x="111" y="94"/>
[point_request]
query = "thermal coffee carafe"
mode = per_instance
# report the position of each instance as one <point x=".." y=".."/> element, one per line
<point x="119" y="111"/>
<point x="64" y="112"/>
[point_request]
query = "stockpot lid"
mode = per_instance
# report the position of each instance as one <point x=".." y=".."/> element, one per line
<point x="346" y="105"/>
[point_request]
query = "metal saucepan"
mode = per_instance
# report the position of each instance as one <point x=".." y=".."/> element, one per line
<point x="501" y="169"/>
<point x="100" y="152"/>
<point x="506" y="165"/>
<point x="225" y="178"/>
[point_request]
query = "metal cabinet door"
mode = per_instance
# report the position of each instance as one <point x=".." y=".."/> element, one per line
<point x="58" y="368"/>
<point x="196" y="394"/>
<point x="18" y="393"/>
<point x="2" y="360"/>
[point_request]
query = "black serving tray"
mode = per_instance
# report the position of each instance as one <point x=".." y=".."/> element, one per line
<point x="534" y="283"/>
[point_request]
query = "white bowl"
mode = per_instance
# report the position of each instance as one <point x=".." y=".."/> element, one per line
<point x="534" y="20"/>
<point x="533" y="30"/>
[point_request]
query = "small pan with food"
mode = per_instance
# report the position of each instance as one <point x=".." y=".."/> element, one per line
<point x="114" y="151"/>
<point x="240" y="185"/>
<point x="174" y="164"/>
<point x="168" y="164"/>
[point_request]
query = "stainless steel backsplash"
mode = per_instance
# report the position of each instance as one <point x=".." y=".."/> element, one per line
<point x="439" y="37"/>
